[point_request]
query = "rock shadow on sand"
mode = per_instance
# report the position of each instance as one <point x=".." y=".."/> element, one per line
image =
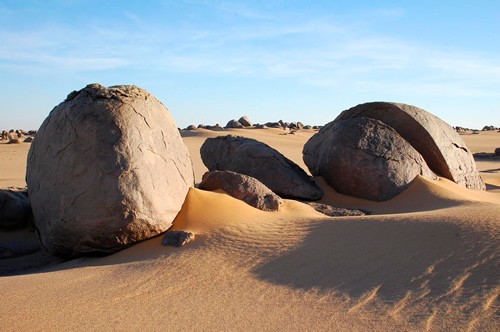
<point x="391" y="259"/>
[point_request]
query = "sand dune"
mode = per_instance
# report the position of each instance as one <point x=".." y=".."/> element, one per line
<point x="424" y="260"/>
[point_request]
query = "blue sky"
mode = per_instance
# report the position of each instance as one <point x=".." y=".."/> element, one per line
<point x="211" y="61"/>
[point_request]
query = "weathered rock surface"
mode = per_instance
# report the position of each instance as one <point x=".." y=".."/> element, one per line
<point x="177" y="238"/>
<point x="108" y="168"/>
<point x="243" y="187"/>
<point x="256" y="159"/>
<point x="245" y="121"/>
<point x="365" y="158"/>
<point x="336" y="212"/>
<point x="15" y="209"/>
<point x="444" y="151"/>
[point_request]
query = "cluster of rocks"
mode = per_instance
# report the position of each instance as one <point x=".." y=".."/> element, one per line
<point x="128" y="180"/>
<point x="245" y="123"/>
<point x="17" y="136"/>
<point x="462" y="130"/>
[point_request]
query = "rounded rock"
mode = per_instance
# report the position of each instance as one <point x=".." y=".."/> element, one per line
<point x="108" y="168"/>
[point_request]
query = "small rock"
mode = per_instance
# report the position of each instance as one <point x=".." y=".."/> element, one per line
<point x="177" y="238"/>
<point x="336" y="212"/>
<point x="497" y="152"/>
<point x="245" y="121"/>
<point x="243" y="187"/>
<point x="28" y="140"/>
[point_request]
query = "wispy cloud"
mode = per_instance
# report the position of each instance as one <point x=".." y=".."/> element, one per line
<point x="315" y="51"/>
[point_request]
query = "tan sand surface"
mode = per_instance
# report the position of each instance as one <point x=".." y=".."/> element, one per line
<point x="425" y="260"/>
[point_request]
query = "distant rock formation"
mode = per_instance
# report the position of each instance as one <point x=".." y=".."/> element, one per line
<point x="108" y="168"/>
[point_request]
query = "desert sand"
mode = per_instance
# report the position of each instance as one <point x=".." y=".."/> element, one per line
<point x="427" y="259"/>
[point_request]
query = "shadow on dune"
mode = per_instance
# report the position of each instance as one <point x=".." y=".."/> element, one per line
<point x="399" y="257"/>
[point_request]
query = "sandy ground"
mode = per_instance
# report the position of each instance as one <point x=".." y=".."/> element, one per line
<point x="424" y="260"/>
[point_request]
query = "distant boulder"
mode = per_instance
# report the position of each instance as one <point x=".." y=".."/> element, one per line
<point x="191" y="127"/>
<point x="497" y="152"/>
<point x="245" y="121"/>
<point x="256" y="159"/>
<point x="28" y="140"/>
<point x="108" y="168"/>
<point x="234" y="124"/>
<point x="365" y="158"/>
<point x="242" y="187"/>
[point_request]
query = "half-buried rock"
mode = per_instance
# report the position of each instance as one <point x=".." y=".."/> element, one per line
<point x="242" y="187"/>
<point x="365" y="158"/>
<point x="256" y="159"/>
<point x="442" y="148"/>
<point x="107" y="168"/>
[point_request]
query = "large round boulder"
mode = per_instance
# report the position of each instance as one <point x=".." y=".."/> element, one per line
<point x="365" y="158"/>
<point x="256" y="159"/>
<point x="442" y="148"/>
<point x="107" y="168"/>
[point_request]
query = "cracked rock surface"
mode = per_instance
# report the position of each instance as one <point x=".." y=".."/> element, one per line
<point x="256" y="159"/>
<point x="107" y="168"/>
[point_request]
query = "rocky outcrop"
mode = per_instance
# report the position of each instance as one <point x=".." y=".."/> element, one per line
<point x="440" y="145"/>
<point x="242" y="187"/>
<point x="15" y="209"/>
<point x="256" y="159"/>
<point x="108" y="168"/>
<point x="365" y="158"/>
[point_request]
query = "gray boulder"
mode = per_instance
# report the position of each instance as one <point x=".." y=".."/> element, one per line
<point x="242" y="187"/>
<point x="15" y="209"/>
<point x="108" y="168"/>
<point x="256" y="159"/>
<point x="234" y="124"/>
<point x="245" y="121"/>
<point x="442" y="148"/>
<point x="365" y="158"/>
<point x="332" y="211"/>
<point x="177" y="238"/>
